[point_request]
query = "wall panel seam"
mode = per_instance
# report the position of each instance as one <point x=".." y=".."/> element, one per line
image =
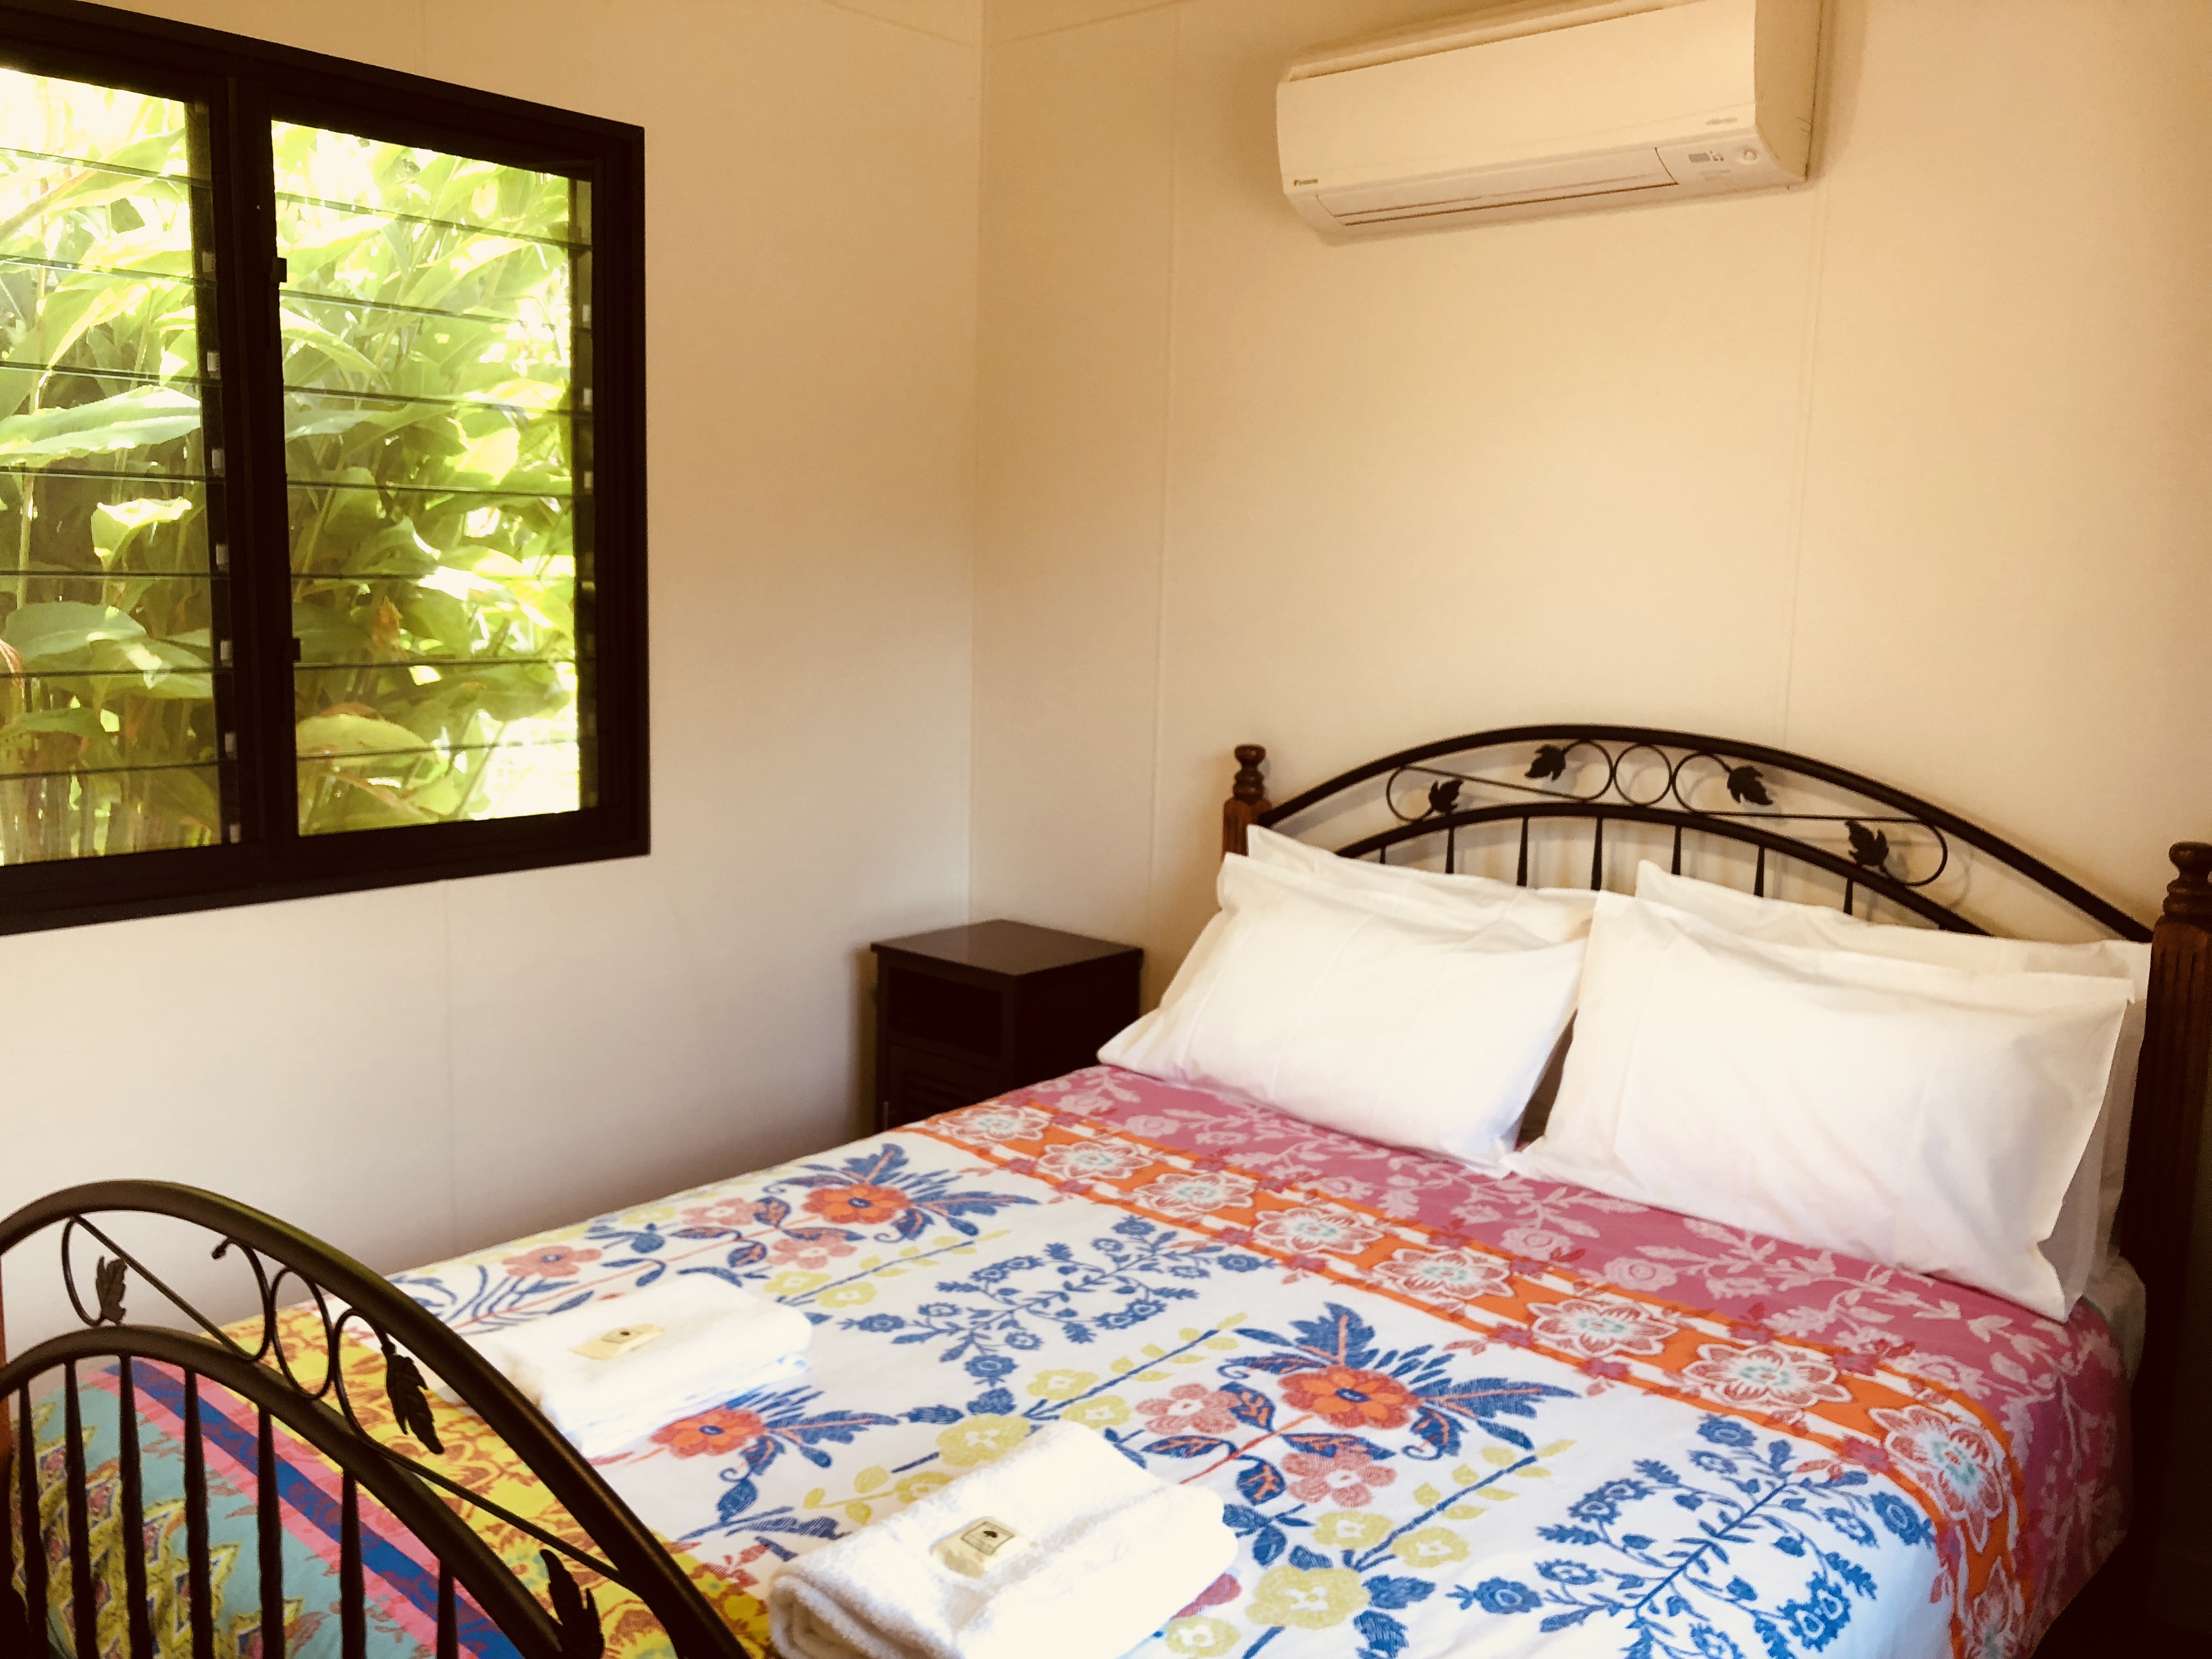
<point x="911" y="28"/>
<point x="1802" y="461"/>
<point x="1153" y="894"/>
<point x="1816" y="173"/>
<point x="992" y="40"/>
<point x="453" y="1244"/>
<point x="976" y="562"/>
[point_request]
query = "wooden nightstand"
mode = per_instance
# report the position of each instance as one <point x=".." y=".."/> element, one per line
<point x="968" y="1013"/>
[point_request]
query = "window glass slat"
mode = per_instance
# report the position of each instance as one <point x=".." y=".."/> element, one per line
<point x="433" y="462"/>
<point x="112" y="677"/>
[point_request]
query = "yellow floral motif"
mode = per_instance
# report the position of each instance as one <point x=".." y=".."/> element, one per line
<point x="1350" y="1529"/>
<point x="845" y="1296"/>
<point x="1061" y="1384"/>
<point x="1431" y="1547"/>
<point x="921" y="1486"/>
<point x="1199" y="1638"/>
<point x="738" y="1609"/>
<point x="795" y="1283"/>
<point x="1107" y="1411"/>
<point x="517" y="1247"/>
<point x="980" y="1439"/>
<point x="651" y="1213"/>
<point x="1308" y="1598"/>
<point x="481" y="1460"/>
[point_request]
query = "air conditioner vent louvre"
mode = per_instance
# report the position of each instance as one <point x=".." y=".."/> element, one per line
<point x="1586" y="175"/>
<point x="1441" y="209"/>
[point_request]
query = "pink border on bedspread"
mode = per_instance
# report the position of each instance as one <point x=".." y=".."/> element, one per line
<point x="2059" y="1391"/>
<point x="399" y="1571"/>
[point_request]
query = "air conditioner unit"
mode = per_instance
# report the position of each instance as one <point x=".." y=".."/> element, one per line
<point x="1534" y="109"/>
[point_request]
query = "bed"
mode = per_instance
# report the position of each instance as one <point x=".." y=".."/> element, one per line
<point x="1446" y="1411"/>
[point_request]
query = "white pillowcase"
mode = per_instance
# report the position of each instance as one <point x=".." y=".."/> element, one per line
<point x="2081" y="1242"/>
<point x="1425" y="1025"/>
<point x="1903" y="1112"/>
<point x="1400" y="885"/>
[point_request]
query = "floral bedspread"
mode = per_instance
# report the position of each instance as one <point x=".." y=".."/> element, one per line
<point x="1447" y="1413"/>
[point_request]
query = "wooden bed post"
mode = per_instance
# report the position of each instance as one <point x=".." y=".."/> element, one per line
<point x="2163" y="1145"/>
<point x="1246" y="800"/>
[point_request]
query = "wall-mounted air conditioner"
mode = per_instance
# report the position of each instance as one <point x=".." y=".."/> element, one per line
<point x="1540" y="108"/>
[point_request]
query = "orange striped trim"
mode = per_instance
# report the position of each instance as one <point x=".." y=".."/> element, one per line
<point x="1846" y="1426"/>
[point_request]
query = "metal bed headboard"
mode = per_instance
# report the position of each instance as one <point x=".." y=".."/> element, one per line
<point x="1542" y="780"/>
<point x="1690" y="784"/>
<point x="309" y="1395"/>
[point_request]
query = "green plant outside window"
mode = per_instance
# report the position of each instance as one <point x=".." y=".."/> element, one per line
<point x="432" y="312"/>
<point x="109" y="739"/>
<point x="429" y="307"/>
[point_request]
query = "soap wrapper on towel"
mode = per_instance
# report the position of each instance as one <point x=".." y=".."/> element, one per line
<point x="1102" y="1555"/>
<point x="683" y="1345"/>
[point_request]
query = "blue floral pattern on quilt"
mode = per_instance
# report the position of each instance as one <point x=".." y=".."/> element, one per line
<point x="1399" y="1487"/>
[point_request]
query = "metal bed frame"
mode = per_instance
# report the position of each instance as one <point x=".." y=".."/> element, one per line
<point x="307" y="1393"/>
<point x="1874" y="840"/>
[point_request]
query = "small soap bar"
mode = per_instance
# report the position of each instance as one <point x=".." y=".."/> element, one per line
<point x="979" y="1546"/>
<point x="620" y="1341"/>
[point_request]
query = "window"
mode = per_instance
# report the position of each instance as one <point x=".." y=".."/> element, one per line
<point x="321" y="475"/>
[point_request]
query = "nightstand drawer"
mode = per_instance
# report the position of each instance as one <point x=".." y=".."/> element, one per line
<point x="916" y="1085"/>
<point x="924" y="1010"/>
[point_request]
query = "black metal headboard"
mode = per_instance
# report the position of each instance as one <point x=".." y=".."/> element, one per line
<point x="1876" y="839"/>
<point x="1577" y="780"/>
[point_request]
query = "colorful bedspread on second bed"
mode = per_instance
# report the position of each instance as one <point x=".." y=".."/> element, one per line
<point x="1449" y="1414"/>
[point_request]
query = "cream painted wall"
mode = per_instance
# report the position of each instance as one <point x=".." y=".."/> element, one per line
<point x="1907" y="468"/>
<point x="415" y="1072"/>
<point x="1911" y="469"/>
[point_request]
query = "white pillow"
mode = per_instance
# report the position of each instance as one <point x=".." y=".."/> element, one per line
<point x="1926" y="1117"/>
<point x="2082" y="1241"/>
<point x="1400" y="885"/>
<point x="1427" y="1030"/>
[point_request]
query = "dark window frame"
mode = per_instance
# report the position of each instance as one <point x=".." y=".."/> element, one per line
<point x="243" y="84"/>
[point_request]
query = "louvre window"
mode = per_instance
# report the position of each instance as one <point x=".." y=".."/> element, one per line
<point x="433" y="425"/>
<point x="315" y="570"/>
<point x="110" y="735"/>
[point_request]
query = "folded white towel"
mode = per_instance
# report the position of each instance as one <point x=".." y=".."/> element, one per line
<point x="1104" y="1554"/>
<point x="715" y="1341"/>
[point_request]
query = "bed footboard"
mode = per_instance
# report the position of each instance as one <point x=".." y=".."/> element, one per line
<point x="382" y="1509"/>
